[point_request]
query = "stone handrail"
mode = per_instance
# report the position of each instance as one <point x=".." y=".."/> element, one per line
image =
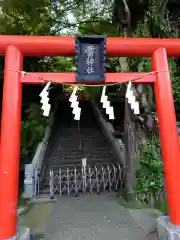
<point x="33" y="169"/>
<point x="108" y="130"/>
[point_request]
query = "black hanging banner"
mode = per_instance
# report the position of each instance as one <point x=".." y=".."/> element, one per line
<point x="90" y="58"/>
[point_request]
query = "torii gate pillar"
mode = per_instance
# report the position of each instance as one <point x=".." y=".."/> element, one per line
<point x="10" y="142"/>
<point x="168" y="132"/>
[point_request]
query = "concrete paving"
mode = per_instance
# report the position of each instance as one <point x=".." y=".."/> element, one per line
<point x="92" y="217"/>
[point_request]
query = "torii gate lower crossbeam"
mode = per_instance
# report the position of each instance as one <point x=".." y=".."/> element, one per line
<point x="15" y="47"/>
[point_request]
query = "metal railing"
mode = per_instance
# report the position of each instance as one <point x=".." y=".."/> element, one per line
<point x="92" y="178"/>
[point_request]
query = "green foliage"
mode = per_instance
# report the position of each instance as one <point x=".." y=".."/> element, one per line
<point x="157" y="24"/>
<point x="32" y="130"/>
<point x="150" y="178"/>
<point x="162" y="206"/>
<point x="97" y="28"/>
<point x="64" y="64"/>
<point x="94" y="93"/>
<point x="175" y="77"/>
<point x="26" y="17"/>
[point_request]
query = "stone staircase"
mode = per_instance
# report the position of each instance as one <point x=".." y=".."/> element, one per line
<point x="70" y="142"/>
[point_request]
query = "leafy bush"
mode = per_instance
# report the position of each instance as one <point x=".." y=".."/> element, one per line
<point x="32" y="130"/>
<point x="150" y="176"/>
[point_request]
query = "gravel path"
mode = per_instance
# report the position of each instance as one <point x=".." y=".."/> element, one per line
<point x="91" y="217"/>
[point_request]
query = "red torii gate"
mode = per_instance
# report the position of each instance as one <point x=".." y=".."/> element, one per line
<point x="16" y="47"/>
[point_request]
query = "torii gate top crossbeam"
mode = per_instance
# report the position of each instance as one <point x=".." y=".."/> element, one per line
<point x="65" y="46"/>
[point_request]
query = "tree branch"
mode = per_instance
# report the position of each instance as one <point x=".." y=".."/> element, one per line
<point x="128" y="13"/>
<point x="85" y="22"/>
<point x="67" y="24"/>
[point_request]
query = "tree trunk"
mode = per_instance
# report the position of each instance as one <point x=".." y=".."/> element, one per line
<point x="133" y="137"/>
<point x="134" y="133"/>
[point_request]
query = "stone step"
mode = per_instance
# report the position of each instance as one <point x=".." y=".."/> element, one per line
<point x="64" y="164"/>
<point x="44" y="190"/>
<point x="80" y="155"/>
<point x="79" y="162"/>
<point x="85" y="147"/>
<point x="65" y="146"/>
<point x="100" y="142"/>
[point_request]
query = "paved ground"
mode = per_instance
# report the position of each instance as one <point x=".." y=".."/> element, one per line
<point x="92" y="217"/>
